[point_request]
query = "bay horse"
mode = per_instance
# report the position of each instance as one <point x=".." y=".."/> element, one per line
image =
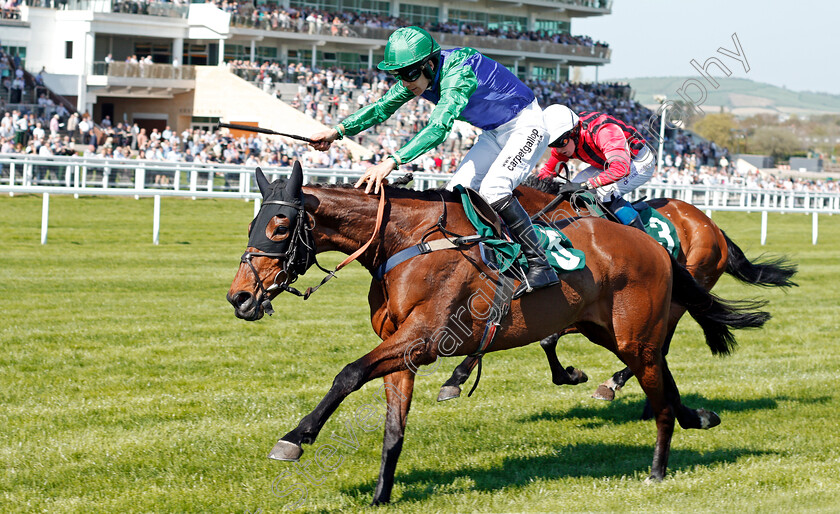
<point x="705" y="251"/>
<point x="429" y="306"/>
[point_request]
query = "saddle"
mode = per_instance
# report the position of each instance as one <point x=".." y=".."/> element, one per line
<point x="484" y="211"/>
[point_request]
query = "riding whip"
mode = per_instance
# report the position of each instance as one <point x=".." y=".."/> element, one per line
<point x="249" y="128"/>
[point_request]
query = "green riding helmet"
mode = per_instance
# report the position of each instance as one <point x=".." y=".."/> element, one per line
<point x="407" y="46"/>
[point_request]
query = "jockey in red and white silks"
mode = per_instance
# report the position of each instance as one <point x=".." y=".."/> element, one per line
<point x="619" y="159"/>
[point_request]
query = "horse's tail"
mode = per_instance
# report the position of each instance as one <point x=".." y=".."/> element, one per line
<point x="714" y="315"/>
<point x="771" y="272"/>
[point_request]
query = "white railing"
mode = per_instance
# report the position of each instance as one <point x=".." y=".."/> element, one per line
<point x="98" y="174"/>
<point x="20" y="174"/>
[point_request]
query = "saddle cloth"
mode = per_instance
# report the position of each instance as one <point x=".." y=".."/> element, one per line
<point x="501" y="253"/>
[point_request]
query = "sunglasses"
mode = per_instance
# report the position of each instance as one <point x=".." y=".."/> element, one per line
<point x="409" y="73"/>
<point x="563" y="140"/>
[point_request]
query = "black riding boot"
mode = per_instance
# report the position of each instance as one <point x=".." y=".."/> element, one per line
<point x="540" y="273"/>
<point x="625" y="212"/>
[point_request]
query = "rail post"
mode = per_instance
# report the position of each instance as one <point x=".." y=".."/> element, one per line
<point x="45" y="217"/>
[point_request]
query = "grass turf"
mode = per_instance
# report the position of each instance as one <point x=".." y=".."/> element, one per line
<point x="127" y="385"/>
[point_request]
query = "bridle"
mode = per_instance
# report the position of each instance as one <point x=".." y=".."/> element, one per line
<point x="301" y="254"/>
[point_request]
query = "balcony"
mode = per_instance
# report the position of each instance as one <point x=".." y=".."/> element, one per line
<point x="165" y="9"/>
<point x="363" y="36"/>
<point x="575" y="8"/>
<point x="141" y="80"/>
<point x="508" y="47"/>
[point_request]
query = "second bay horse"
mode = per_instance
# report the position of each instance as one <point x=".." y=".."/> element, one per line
<point x="705" y="250"/>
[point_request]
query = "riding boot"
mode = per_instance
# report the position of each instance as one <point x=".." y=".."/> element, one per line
<point x="625" y="212"/>
<point x="540" y="273"/>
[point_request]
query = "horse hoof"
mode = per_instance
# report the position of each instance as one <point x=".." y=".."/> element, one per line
<point x="577" y="376"/>
<point x="708" y="419"/>
<point x="448" y="393"/>
<point x="652" y="480"/>
<point x="284" y="450"/>
<point x="604" y="393"/>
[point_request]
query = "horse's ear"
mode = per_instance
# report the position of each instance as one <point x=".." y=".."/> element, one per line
<point x="262" y="182"/>
<point x="295" y="181"/>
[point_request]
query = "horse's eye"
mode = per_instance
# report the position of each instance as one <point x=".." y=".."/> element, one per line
<point x="277" y="228"/>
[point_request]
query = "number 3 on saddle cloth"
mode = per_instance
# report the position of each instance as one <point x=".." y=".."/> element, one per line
<point x="656" y="225"/>
<point x="659" y="228"/>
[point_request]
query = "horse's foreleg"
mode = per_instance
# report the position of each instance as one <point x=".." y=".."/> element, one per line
<point x="393" y="354"/>
<point x="398" y="389"/>
<point x="452" y="387"/>
<point x="559" y="374"/>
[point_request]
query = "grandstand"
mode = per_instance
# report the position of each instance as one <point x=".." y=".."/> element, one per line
<point x="139" y="61"/>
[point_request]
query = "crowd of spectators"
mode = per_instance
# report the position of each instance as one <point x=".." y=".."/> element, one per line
<point x="28" y="134"/>
<point x="273" y="16"/>
<point x="10" y="9"/>
<point x="328" y="96"/>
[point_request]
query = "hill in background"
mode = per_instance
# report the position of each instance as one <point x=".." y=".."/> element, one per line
<point x="741" y="97"/>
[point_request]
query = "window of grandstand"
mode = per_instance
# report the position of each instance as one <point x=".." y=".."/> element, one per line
<point x="20" y="51"/>
<point x="300" y="56"/>
<point x="550" y="27"/>
<point x="351" y="61"/>
<point x="549" y="73"/>
<point x="419" y="14"/>
<point x="205" y="123"/>
<point x="488" y="20"/>
<point x="243" y="53"/>
<point x="161" y="52"/>
<point x="359" y="6"/>
<point x="196" y="54"/>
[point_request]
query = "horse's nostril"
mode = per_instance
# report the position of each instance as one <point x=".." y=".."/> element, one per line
<point x="241" y="299"/>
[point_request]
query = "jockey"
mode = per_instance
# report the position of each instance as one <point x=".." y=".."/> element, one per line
<point x="465" y="85"/>
<point x="619" y="159"/>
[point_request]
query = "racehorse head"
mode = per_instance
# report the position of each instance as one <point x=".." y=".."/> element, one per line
<point x="280" y="247"/>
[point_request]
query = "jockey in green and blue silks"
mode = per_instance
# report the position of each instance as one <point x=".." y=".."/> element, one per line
<point x="464" y="85"/>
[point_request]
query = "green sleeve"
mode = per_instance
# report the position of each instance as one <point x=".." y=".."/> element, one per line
<point x="457" y="84"/>
<point x="378" y="111"/>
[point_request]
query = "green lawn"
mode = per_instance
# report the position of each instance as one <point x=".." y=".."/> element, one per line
<point x="128" y="386"/>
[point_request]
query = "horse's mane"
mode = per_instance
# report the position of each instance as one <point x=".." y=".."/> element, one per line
<point x="548" y="185"/>
<point x="433" y="194"/>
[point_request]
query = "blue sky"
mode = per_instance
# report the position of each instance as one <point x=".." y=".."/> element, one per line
<point x="790" y="44"/>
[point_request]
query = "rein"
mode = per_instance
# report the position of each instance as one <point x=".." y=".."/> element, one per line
<point x="573" y="197"/>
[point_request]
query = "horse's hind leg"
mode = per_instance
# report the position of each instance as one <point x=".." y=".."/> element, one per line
<point x="642" y="355"/>
<point x="452" y="388"/>
<point x="687" y="417"/>
<point x="606" y="391"/>
<point x="398" y="390"/>
<point x="646" y="364"/>
<point x="560" y="375"/>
